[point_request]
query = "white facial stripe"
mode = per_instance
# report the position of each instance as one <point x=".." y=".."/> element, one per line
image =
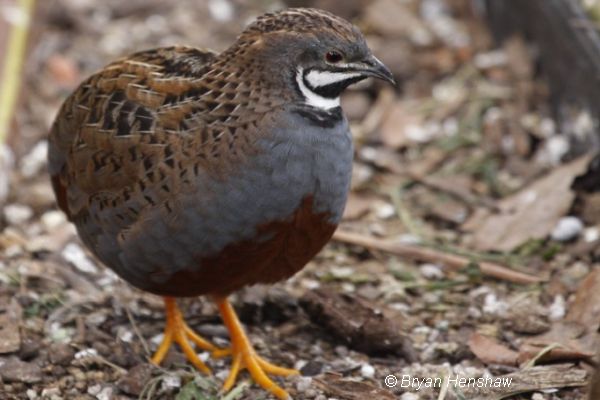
<point x="323" y="78"/>
<point x="312" y="98"/>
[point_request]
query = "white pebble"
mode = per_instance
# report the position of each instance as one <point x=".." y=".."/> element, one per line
<point x="221" y="10"/>
<point x="6" y="164"/>
<point x="16" y="214"/>
<point x="431" y="271"/>
<point x="303" y="384"/>
<point x="74" y="254"/>
<point x="171" y="382"/>
<point x="556" y="147"/>
<point x="567" y="228"/>
<point x="53" y="219"/>
<point x="105" y="394"/>
<point x="49" y="392"/>
<point x="310" y="284"/>
<point x="86" y="353"/>
<point x="591" y="234"/>
<point x="222" y="374"/>
<point x="124" y="334"/>
<point x="557" y="308"/>
<point x="342" y="272"/>
<point x="94" y="389"/>
<point x="31" y="394"/>
<point x="385" y="211"/>
<point x="35" y="160"/>
<point x="409" y="396"/>
<point x="367" y="370"/>
<point x="157" y="339"/>
<point x="491" y="305"/>
<point x="490" y="59"/>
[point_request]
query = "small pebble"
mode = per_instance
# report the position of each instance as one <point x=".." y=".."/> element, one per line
<point x="222" y="374"/>
<point x="124" y="334"/>
<point x="409" y="396"/>
<point x="342" y="272"/>
<point x="385" y="211"/>
<point x="94" y="389"/>
<point x="591" y="234"/>
<point x="16" y="214"/>
<point x="431" y="271"/>
<point x="50" y="392"/>
<point x="35" y="160"/>
<point x="567" y="228"/>
<point x="492" y="305"/>
<point x="367" y="370"/>
<point x="106" y="393"/>
<point x="221" y="10"/>
<point x="303" y="384"/>
<point x="86" y="353"/>
<point x="557" y="308"/>
<point x="53" y="219"/>
<point x="157" y="339"/>
<point x="171" y="382"/>
<point x="74" y="254"/>
<point x="490" y="59"/>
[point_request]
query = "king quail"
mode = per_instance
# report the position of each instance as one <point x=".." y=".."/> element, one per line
<point x="190" y="172"/>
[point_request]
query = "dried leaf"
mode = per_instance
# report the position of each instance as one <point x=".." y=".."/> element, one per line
<point x="491" y="352"/>
<point x="585" y="310"/>
<point x="356" y="207"/>
<point x="531" y="213"/>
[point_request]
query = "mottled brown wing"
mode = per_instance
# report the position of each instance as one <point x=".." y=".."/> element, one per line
<point x="122" y="129"/>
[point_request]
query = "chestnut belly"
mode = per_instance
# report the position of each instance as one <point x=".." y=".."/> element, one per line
<point x="280" y="249"/>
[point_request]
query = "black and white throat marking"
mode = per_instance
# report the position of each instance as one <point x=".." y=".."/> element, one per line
<point x="322" y="89"/>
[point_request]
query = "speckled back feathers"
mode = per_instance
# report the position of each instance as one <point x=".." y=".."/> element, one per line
<point x="167" y="157"/>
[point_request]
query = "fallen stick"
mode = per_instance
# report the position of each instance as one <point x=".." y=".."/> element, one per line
<point x="451" y="261"/>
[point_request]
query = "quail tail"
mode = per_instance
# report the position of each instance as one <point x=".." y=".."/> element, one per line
<point x="244" y="356"/>
<point x="176" y="330"/>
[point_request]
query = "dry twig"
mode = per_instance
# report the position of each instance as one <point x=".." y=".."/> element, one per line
<point x="451" y="261"/>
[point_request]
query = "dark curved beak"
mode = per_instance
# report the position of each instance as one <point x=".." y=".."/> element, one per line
<point x="375" y="68"/>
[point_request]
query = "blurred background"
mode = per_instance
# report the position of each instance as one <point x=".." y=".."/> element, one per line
<point x="469" y="244"/>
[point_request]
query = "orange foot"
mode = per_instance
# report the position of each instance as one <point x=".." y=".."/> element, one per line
<point x="244" y="356"/>
<point x="179" y="332"/>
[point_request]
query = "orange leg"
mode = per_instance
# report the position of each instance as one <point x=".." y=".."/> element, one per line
<point x="179" y="332"/>
<point x="244" y="355"/>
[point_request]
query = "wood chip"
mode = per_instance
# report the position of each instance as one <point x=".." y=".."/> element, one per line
<point x="357" y="323"/>
<point x="531" y="380"/>
<point x="10" y="322"/>
<point x="349" y="389"/>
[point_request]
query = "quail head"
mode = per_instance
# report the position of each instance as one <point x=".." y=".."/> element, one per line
<point x="190" y="172"/>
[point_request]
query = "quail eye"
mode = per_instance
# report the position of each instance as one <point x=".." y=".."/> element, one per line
<point x="333" y="57"/>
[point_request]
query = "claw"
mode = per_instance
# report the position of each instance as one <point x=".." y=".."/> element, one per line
<point x="176" y="330"/>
